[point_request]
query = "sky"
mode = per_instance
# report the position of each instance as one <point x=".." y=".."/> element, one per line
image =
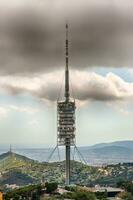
<point x="32" y="63"/>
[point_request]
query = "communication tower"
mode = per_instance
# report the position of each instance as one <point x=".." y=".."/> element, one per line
<point x="66" y="118"/>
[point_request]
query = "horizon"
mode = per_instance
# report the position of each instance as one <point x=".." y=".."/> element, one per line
<point x="42" y="146"/>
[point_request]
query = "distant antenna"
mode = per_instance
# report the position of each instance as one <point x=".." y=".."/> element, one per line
<point x="10" y="148"/>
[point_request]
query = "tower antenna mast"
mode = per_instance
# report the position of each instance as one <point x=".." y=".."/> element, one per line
<point x="66" y="68"/>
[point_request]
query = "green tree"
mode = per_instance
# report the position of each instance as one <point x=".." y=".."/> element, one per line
<point x="51" y="187"/>
<point x="127" y="185"/>
<point x="101" y="196"/>
<point x="84" y="195"/>
<point x="126" y="196"/>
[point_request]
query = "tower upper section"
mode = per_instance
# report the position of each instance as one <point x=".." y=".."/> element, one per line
<point x="66" y="110"/>
<point x="66" y="68"/>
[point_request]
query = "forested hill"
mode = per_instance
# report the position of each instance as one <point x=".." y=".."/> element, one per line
<point x="20" y="170"/>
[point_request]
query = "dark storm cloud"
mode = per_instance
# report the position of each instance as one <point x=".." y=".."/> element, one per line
<point x="32" y="35"/>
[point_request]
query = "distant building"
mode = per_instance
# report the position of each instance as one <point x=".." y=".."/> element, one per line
<point x="111" y="192"/>
<point x="12" y="186"/>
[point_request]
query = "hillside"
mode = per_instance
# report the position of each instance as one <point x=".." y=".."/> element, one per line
<point x="16" y="156"/>
<point x="16" y="177"/>
<point x="18" y="169"/>
<point x="10" y="160"/>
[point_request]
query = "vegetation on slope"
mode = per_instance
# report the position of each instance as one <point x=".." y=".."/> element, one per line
<point x="29" y="171"/>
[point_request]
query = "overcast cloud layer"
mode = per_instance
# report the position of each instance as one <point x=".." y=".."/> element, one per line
<point x="32" y="34"/>
<point x="91" y="86"/>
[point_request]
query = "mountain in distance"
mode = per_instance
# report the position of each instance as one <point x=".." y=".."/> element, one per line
<point x="126" y="143"/>
<point x="114" y="152"/>
<point x="109" y="153"/>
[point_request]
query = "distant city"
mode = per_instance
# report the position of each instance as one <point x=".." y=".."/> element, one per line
<point x="96" y="155"/>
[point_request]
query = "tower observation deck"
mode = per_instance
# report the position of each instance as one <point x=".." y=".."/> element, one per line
<point x="66" y="118"/>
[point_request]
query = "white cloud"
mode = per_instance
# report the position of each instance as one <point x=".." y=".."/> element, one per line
<point x="3" y="112"/>
<point x="86" y="86"/>
<point x="96" y="87"/>
<point x="130" y="71"/>
<point x="28" y="110"/>
<point x="34" y="123"/>
<point x="6" y="109"/>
